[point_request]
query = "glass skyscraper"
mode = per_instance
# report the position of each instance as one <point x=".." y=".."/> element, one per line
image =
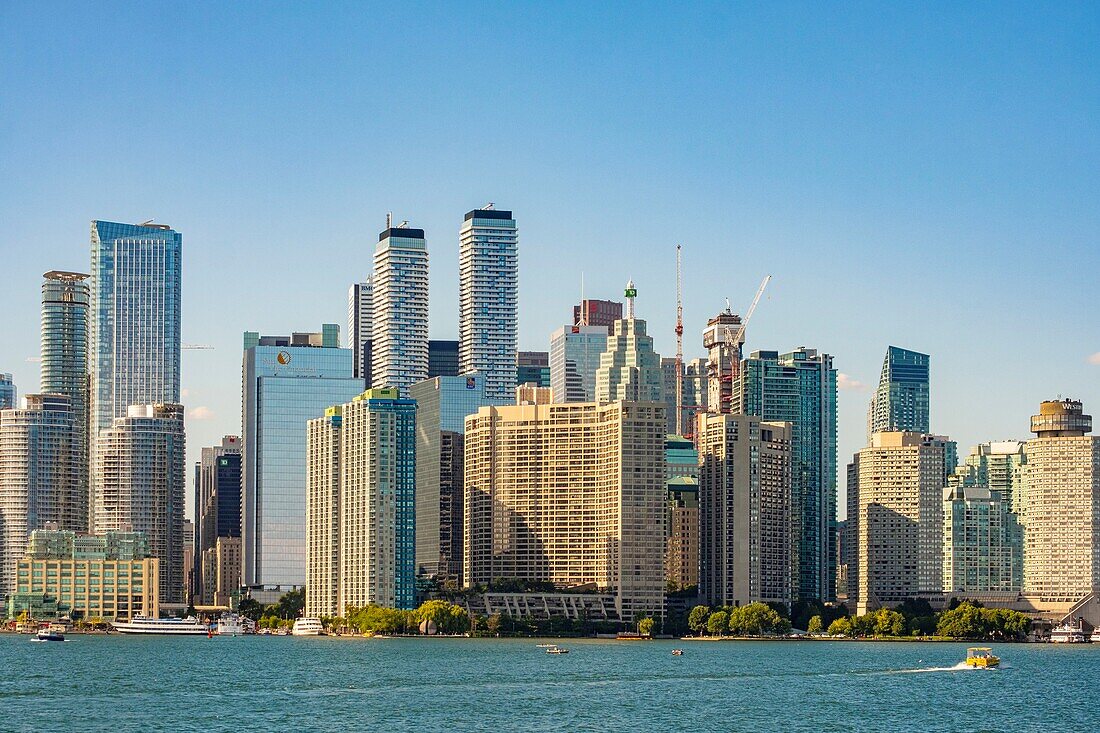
<point x="134" y="328"/>
<point x="286" y="382"/>
<point x="901" y="400"/>
<point x="399" y="327"/>
<point x="360" y="313"/>
<point x="575" y="353"/>
<point x="488" y="297"/>
<point x="7" y="392"/>
<point x="800" y="388"/>
<point x="64" y="367"/>
<point x="442" y="358"/>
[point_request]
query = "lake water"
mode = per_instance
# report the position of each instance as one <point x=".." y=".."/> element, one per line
<point x="118" y="683"/>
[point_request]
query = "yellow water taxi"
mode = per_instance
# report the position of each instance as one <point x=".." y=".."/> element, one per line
<point x="981" y="657"/>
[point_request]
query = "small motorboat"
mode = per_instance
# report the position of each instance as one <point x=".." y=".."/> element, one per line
<point x="677" y="652"/>
<point x="53" y="632"/>
<point x="557" y="650"/>
<point x="981" y="657"/>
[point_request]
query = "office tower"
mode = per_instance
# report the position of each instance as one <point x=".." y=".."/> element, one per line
<point x="723" y="338"/>
<point x="360" y="312"/>
<point x="63" y="573"/>
<point x="40" y="479"/>
<point x="217" y="507"/>
<point x="597" y="313"/>
<point x="575" y="353"/>
<point x="362" y="469"/>
<point x="983" y="544"/>
<point x="399" y="328"/>
<point x="799" y="387"/>
<point x="7" y="392"/>
<point x="488" y="299"/>
<point x="221" y="571"/>
<point x="552" y="488"/>
<point x="442" y="358"/>
<point x="1000" y="466"/>
<point x="190" y="567"/>
<point x="134" y="323"/>
<point x="288" y="380"/>
<point x="693" y="398"/>
<point x="744" y="510"/>
<point x="901" y="401"/>
<point x="630" y="369"/>
<point x="141" y="480"/>
<point x="442" y="406"/>
<point x="64" y="366"/>
<point x="895" y="495"/>
<point x="682" y="530"/>
<point x="533" y="367"/>
<point x="1062" y="505"/>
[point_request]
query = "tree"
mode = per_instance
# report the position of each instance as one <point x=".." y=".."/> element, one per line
<point x="814" y="627"/>
<point x="697" y="619"/>
<point x="645" y="626"/>
<point x="717" y="623"/>
<point x="493" y="624"/>
<point x="841" y="627"/>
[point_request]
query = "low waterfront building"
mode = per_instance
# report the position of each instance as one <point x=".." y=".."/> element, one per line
<point x="107" y="577"/>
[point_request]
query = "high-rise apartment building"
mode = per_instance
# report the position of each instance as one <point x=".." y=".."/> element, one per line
<point x="597" y="313"/>
<point x="570" y="494"/>
<point x="217" y="507"/>
<point x="7" y="392"/>
<point x="443" y="403"/>
<point x="682" y="530"/>
<point x="533" y="367"/>
<point x="362" y="469"/>
<point x="630" y="370"/>
<point x="575" y="353"/>
<point x="287" y="380"/>
<point x="360" y="313"/>
<point x="488" y="299"/>
<point x="134" y="323"/>
<point x="895" y="499"/>
<point x="901" y="400"/>
<point x="443" y="358"/>
<point x="399" y="327"/>
<point x="799" y="387"/>
<point x="220" y="567"/>
<point x="999" y="466"/>
<point x="40" y="476"/>
<point x="983" y="544"/>
<point x="1062" y="505"/>
<point x="744" y="510"/>
<point x="141" y="484"/>
<point x="723" y="338"/>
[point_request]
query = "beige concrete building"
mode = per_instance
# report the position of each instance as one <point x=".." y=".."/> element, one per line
<point x="571" y="494"/>
<point x="744" y="510"/>
<point x="323" y="514"/>
<point x="1062" y="505"/>
<point x="895" y="499"/>
<point x="221" y="570"/>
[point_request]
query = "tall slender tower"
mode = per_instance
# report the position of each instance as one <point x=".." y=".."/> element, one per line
<point x="488" y="296"/>
<point x="360" y="314"/>
<point x="64" y="368"/>
<point x="134" y="345"/>
<point x="399" y="340"/>
<point x="901" y="401"/>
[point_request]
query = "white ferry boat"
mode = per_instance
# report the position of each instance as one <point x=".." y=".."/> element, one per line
<point x="307" y="627"/>
<point x="167" y="626"/>
<point x="1068" y="633"/>
<point x="232" y="624"/>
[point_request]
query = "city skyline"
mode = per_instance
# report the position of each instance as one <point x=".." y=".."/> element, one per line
<point x="910" y="213"/>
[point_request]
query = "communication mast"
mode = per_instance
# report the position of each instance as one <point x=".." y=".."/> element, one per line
<point x="679" y="343"/>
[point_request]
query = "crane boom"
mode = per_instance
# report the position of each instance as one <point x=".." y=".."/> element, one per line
<point x="732" y="341"/>
<point x="679" y="343"/>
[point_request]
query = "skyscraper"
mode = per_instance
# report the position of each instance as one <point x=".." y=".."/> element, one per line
<point x="39" y="477"/>
<point x="442" y="358"/>
<point x="800" y="388"/>
<point x="399" y="329"/>
<point x="597" y="313"/>
<point x="64" y="366"/>
<point x="533" y="367"/>
<point x="575" y="353"/>
<point x="134" y="325"/>
<point x="569" y="494"/>
<point x="744" y="510"/>
<point x="360" y="313"/>
<point x="287" y="380"/>
<point x="217" y="508"/>
<point x="682" y="529"/>
<point x="7" y="392"/>
<point x="901" y="401"/>
<point x="141" y="479"/>
<point x="372" y="490"/>
<point x="488" y="298"/>
<point x="723" y="345"/>
<point x="443" y="403"/>
<point x="1062" y="505"/>
<point x="983" y="548"/>
<point x="998" y="465"/>
<point x="630" y="369"/>
<point x="895" y="499"/>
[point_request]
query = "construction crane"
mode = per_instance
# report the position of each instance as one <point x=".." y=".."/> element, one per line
<point x="679" y="343"/>
<point x="733" y="341"/>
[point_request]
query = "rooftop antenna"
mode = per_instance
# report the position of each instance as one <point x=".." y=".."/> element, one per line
<point x="389" y="219"/>
<point x="630" y="294"/>
<point x="583" y="320"/>
<point x="404" y="224"/>
<point x="489" y="206"/>
<point x="679" y="344"/>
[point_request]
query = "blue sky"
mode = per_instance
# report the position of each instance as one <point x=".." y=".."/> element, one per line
<point x="927" y="176"/>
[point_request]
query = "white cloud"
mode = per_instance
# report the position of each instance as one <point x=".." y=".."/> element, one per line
<point x="185" y="393"/>
<point x="843" y="381"/>
<point x="1095" y="358"/>
<point x="200" y="413"/>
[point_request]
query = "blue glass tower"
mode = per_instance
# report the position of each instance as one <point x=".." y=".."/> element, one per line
<point x="800" y="388"/>
<point x="901" y="400"/>
<point x="7" y="392"/>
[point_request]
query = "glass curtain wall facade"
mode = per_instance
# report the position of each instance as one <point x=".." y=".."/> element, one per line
<point x="360" y="312"/>
<point x="7" y="392"/>
<point x="575" y="353"/>
<point x="901" y="400"/>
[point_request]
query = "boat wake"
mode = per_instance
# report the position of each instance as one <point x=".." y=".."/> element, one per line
<point x="960" y="667"/>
